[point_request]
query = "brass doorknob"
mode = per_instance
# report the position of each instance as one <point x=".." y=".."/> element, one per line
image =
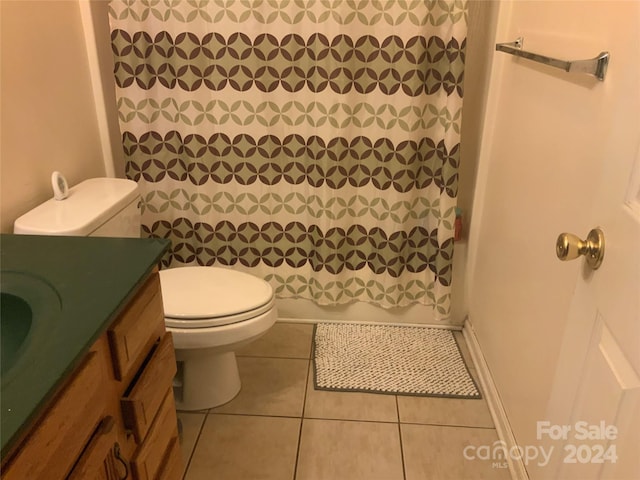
<point x="569" y="247"/>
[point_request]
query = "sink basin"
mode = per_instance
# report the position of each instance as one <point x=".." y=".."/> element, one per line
<point x="16" y="318"/>
<point x="27" y="304"/>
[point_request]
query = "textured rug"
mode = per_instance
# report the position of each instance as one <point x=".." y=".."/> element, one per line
<point x="390" y="359"/>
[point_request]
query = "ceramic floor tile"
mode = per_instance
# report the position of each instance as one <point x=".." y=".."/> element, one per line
<point x="239" y="447"/>
<point x="445" y="453"/>
<point x="331" y="450"/>
<point x="270" y="386"/>
<point x="288" y="340"/>
<point x="445" y="411"/>
<point x="191" y="426"/>
<point x="348" y="405"/>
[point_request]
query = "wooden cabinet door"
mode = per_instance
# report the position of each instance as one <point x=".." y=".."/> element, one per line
<point x="136" y="330"/>
<point x="53" y="446"/>
<point x="101" y="460"/>
<point x="141" y="404"/>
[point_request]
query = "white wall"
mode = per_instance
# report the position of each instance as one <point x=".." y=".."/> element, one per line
<point x="98" y="40"/>
<point x="48" y="115"/>
<point x="482" y="17"/>
<point x="538" y="167"/>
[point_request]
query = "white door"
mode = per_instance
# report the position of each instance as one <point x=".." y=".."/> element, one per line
<point x="593" y="420"/>
<point x="594" y="412"/>
<point x="561" y="342"/>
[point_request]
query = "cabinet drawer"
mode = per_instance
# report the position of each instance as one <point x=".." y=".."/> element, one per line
<point x="53" y="446"/>
<point x="156" y="453"/>
<point x="137" y="328"/>
<point x="141" y="403"/>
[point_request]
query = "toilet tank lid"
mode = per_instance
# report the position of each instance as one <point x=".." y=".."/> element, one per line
<point x="89" y="204"/>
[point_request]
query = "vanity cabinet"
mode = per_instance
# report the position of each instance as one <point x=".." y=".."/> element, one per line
<point x="114" y="417"/>
<point x="101" y="458"/>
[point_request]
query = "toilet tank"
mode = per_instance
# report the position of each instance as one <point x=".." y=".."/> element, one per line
<point x="98" y="207"/>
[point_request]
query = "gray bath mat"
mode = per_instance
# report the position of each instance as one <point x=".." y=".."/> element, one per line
<point x="390" y="359"/>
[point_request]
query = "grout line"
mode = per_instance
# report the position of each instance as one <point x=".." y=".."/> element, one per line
<point x="306" y="388"/>
<point x="350" y="420"/>
<point x="295" y="467"/>
<point x="195" y="445"/>
<point x="188" y="412"/>
<point x="236" y="414"/>
<point x="404" y="470"/>
<point x="355" y="420"/>
<point x="304" y="405"/>
<point x="332" y="419"/>
<point x="478" y="427"/>
<point x="272" y="356"/>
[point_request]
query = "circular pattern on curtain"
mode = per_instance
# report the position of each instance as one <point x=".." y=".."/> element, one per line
<point x="314" y="144"/>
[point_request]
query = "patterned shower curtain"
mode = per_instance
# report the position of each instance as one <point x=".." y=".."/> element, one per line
<point x="314" y="143"/>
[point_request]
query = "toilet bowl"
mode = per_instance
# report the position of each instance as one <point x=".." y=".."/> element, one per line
<point x="211" y="312"/>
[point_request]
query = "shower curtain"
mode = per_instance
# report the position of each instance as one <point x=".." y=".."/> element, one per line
<point x="314" y="143"/>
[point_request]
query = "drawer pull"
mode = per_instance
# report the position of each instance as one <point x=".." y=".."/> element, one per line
<point x="107" y="424"/>
<point x="118" y="456"/>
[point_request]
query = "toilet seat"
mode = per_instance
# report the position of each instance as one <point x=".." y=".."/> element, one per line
<point x="201" y="297"/>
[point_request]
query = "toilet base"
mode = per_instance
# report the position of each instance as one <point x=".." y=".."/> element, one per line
<point x="205" y="380"/>
<point x="207" y="368"/>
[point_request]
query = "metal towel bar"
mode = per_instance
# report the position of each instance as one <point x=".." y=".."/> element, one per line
<point x="595" y="66"/>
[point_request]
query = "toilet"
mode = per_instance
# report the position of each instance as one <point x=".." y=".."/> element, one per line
<point x="210" y="311"/>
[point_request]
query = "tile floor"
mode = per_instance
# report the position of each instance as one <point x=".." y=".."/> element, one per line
<point x="280" y="428"/>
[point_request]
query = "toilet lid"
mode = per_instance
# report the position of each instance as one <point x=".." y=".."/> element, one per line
<point x="196" y="297"/>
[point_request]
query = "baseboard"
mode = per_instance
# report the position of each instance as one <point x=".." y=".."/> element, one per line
<point x="500" y="420"/>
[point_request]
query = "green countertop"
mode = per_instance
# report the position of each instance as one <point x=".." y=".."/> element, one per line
<point x="86" y="282"/>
